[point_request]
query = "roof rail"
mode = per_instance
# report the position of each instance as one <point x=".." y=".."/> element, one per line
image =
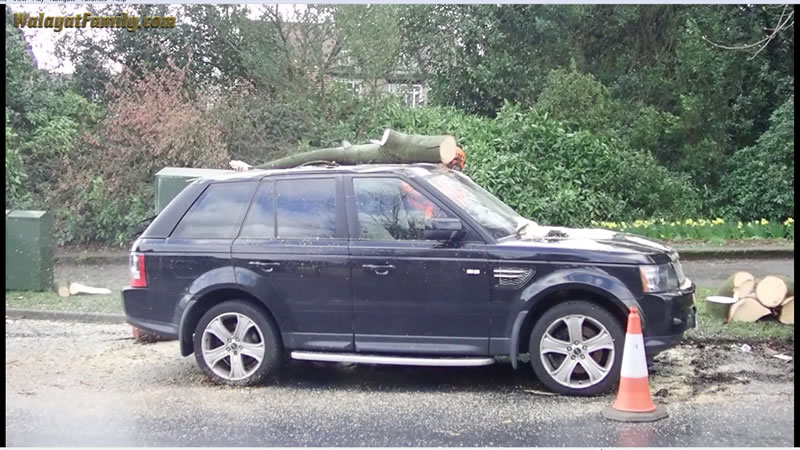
<point x="320" y="163"/>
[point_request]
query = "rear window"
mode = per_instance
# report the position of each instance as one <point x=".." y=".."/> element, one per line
<point x="218" y="212"/>
<point x="306" y="208"/>
<point x="260" y="220"/>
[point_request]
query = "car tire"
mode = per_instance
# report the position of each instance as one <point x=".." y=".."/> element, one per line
<point x="562" y="366"/>
<point x="234" y="357"/>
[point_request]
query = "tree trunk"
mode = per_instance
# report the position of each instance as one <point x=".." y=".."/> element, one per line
<point x="772" y="290"/>
<point x="394" y="148"/>
<point x="787" y="312"/>
<point x="747" y="309"/>
<point x="718" y="306"/>
<point x="77" y="288"/>
<point x="740" y="283"/>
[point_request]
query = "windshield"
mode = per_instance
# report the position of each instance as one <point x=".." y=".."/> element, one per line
<point x="494" y="215"/>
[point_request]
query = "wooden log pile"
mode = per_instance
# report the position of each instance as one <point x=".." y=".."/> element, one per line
<point x="757" y="298"/>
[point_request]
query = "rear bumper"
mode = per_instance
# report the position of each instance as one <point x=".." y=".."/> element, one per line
<point x="138" y="306"/>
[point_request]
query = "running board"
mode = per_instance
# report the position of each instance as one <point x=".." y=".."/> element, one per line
<point x="392" y="360"/>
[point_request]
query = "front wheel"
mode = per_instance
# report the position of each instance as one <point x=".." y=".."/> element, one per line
<point x="236" y="343"/>
<point x="576" y="348"/>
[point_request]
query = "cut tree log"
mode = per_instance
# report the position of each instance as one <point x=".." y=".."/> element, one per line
<point x="393" y="148"/>
<point x="747" y="309"/>
<point x="740" y="283"/>
<point x="787" y="312"/>
<point x="772" y="290"/>
<point x="789" y="285"/>
<point x="718" y="306"/>
<point x="62" y="289"/>
<point x="77" y="288"/>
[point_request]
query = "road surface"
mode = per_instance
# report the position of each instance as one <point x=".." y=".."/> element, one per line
<point x="712" y="272"/>
<point x="70" y="384"/>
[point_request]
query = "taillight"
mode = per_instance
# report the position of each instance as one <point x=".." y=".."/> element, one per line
<point x="138" y="272"/>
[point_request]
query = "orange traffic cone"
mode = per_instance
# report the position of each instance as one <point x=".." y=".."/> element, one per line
<point x="634" y="402"/>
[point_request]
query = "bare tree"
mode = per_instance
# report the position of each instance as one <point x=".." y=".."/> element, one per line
<point x="784" y="22"/>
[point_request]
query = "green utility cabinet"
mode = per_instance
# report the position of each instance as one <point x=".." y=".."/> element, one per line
<point x="170" y="181"/>
<point x="29" y="250"/>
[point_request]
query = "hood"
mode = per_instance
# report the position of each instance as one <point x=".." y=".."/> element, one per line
<point x="590" y="244"/>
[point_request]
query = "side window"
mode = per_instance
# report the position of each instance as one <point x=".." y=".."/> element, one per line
<point x="218" y="212"/>
<point x="306" y="208"/>
<point x="260" y="220"/>
<point x="390" y="209"/>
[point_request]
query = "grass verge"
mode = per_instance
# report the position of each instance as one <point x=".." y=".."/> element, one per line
<point x="711" y="329"/>
<point x="50" y="301"/>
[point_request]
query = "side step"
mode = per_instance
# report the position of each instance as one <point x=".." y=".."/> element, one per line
<point x="392" y="360"/>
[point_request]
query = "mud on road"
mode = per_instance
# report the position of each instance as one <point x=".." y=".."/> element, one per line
<point x="89" y="384"/>
<point x="697" y="370"/>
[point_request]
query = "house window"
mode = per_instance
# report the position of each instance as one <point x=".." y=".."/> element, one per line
<point x="411" y="93"/>
<point x="354" y="86"/>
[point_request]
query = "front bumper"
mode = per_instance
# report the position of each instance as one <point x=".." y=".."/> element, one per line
<point x="667" y="317"/>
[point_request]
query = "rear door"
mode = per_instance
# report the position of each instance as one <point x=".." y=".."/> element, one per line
<point x="197" y="252"/>
<point x="412" y="295"/>
<point x="292" y="252"/>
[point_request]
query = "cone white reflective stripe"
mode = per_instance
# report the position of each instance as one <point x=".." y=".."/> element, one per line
<point x="634" y="364"/>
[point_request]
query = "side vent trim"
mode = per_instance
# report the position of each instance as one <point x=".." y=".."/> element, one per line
<point x="511" y="277"/>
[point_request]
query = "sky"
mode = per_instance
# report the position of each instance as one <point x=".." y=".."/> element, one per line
<point x="43" y="41"/>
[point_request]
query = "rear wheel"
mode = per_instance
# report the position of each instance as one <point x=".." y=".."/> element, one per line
<point x="236" y="343"/>
<point x="576" y="348"/>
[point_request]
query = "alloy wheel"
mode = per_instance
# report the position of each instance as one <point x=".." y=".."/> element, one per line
<point x="233" y="346"/>
<point x="577" y="351"/>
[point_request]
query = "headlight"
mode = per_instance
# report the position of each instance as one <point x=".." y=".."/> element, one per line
<point x="658" y="278"/>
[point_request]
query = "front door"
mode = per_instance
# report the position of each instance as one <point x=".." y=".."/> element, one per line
<point x="412" y="295"/>
<point x="292" y="251"/>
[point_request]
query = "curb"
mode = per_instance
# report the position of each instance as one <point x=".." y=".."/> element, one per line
<point x="70" y="316"/>
<point x="121" y="258"/>
<point x="688" y="254"/>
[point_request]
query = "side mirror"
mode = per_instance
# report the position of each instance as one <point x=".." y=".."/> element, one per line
<point x="443" y="229"/>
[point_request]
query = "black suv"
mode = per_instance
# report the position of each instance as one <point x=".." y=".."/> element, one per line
<point x="394" y="264"/>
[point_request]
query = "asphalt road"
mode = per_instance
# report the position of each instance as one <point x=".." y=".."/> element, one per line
<point x="91" y="385"/>
<point x="712" y="272"/>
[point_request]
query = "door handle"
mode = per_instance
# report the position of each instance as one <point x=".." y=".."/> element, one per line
<point x="265" y="266"/>
<point x="379" y="269"/>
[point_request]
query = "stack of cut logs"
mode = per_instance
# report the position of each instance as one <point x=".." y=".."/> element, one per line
<point x="754" y="298"/>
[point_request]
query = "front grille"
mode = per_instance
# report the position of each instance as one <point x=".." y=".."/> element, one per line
<point x="512" y="276"/>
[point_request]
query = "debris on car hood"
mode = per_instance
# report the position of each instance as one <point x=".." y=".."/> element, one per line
<point x="590" y="238"/>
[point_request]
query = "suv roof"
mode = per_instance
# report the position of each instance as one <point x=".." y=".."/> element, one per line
<point x="410" y="170"/>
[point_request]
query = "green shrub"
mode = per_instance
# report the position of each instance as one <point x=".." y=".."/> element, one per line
<point x="758" y="181"/>
<point x="17" y="194"/>
<point x="553" y="175"/>
<point x="578" y="99"/>
<point x="99" y="215"/>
